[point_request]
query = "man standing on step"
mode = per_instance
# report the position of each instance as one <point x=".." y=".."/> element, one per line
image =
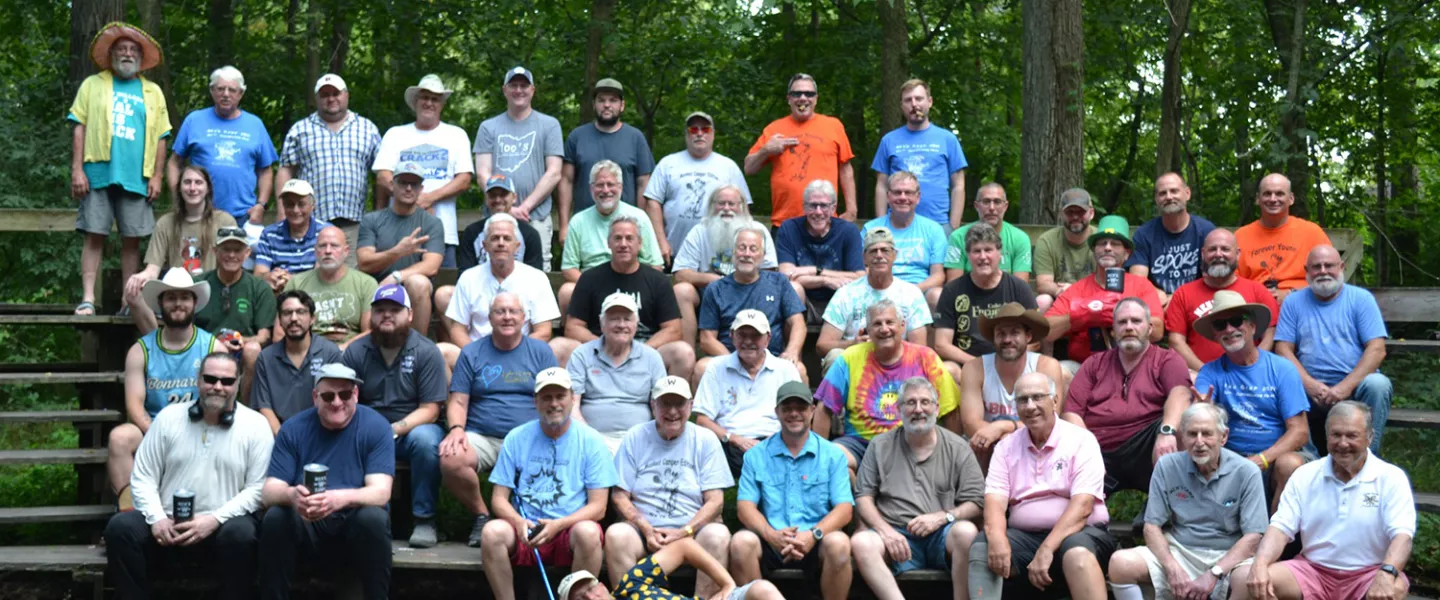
<point x="346" y="525"/>
<point x="332" y="149"/>
<point x="407" y="386"/>
<point x="217" y="449"/>
<point x="524" y="146"/>
<point x="160" y="369"/>
<point x="605" y="139"/>
<point x="283" y="374"/>
<point x="1167" y="248"/>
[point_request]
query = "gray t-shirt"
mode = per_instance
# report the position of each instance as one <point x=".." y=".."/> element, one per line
<point x="382" y="229"/>
<point x="1207" y="514"/>
<point x="518" y="150"/>
<point x="614" y="398"/>
<point x="417" y="375"/>
<point x="281" y="386"/>
<point x="588" y="145"/>
<point x="683" y="185"/>
<point x="948" y="478"/>
<point x="666" y="478"/>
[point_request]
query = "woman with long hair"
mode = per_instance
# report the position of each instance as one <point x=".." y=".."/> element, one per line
<point x="184" y="237"/>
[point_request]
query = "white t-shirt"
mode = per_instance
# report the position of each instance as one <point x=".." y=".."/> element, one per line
<point x="846" y="310"/>
<point x="443" y="153"/>
<point x="666" y="478"/>
<point x="697" y="255"/>
<point x="1346" y="526"/>
<point x="477" y="288"/>
<point x="683" y="185"/>
<point x="744" y="406"/>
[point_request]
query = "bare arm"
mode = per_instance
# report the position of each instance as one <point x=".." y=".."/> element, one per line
<point x="1059" y="326"/>
<point x="1045" y="284"/>
<point x="972" y="397"/>
<point x="696" y="278"/>
<point x="273" y="419"/>
<point x="135" y="388"/>
<point x="882" y="204"/>
<point x="578" y="330"/>
<point x="870" y="514"/>
<point x="459" y="332"/>
<point x="795" y="333"/>
<point x="1141" y="271"/>
<point x="1267" y="343"/>
<point x="564" y="200"/>
<point x="1297" y="432"/>
<point x="547" y="184"/>
<point x="847" y="189"/>
<point x="483" y="166"/>
<point x="946" y="348"/>
<point x="710" y="424"/>
<point x="1182" y="347"/>
<point x="831" y="339"/>
<point x="284" y="174"/>
<point x="1071" y="521"/>
<point x="669" y="332"/>
<point x="265" y="182"/>
<point x="593" y="510"/>
<point x="710" y="343"/>
<point x="172" y="173"/>
<point x="820" y="424"/>
<point x="936" y="278"/>
<point x="541" y="331"/>
<point x="686" y="551"/>
<point x="423" y="414"/>
<point x="957" y="198"/>
<point x="384" y="180"/>
<point x="756" y="161"/>
<point x="1369" y="363"/>
<point x="953" y="274"/>
<point x="455" y="187"/>
<point x="656" y="211"/>
<point x="375" y="493"/>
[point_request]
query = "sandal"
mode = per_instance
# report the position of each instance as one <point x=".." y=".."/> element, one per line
<point x="85" y="309"/>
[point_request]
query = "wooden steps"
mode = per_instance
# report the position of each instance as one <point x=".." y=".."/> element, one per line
<point x="55" y="514"/>
<point x="71" y="456"/>
<point x="40" y="378"/>
<point x="1413" y="418"/>
<point x="66" y="319"/>
<point x="60" y="416"/>
<point x="1413" y="346"/>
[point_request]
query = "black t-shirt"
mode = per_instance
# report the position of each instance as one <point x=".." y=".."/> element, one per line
<point x="466" y="257"/>
<point x="962" y="303"/>
<point x="650" y="288"/>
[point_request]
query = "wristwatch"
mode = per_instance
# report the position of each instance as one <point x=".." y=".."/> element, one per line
<point x="949" y="517"/>
<point x="727" y="438"/>
<point x="1167" y="430"/>
<point x="1217" y="571"/>
<point x="818" y="533"/>
<point x="1391" y="570"/>
<point x="689" y="531"/>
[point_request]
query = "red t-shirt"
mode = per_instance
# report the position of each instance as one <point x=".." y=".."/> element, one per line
<point x="1091" y="308"/>
<point x="1193" y="301"/>
<point x="823" y="148"/>
<point x="1095" y="393"/>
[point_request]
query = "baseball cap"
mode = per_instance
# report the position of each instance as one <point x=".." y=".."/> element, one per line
<point x="608" y="85"/>
<point x="298" y="187"/>
<point x="391" y="292"/>
<point x="499" y="181"/>
<point x="751" y="318"/>
<point x="552" y="376"/>
<point x="573" y="581"/>
<point x="409" y="168"/>
<point x="701" y="114"/>
<point x="331" y="80"/>
<point x="619" y="299"/>
<point x="231" y="234"/>
<point x="518" y="72"/>
<point x="670" y="385"/>
<point x="1074" y="197"/>
<point x="879" y="235"/>
<point x="793" y="389"/>
<point x="336" y="371"/>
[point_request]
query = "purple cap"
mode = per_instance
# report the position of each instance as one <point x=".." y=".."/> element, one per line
<point x="391" y="292"/>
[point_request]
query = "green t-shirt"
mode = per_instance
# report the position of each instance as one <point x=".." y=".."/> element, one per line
<point x="1014" y="251"/>
<point x="1055" y="256"/>
<point x="587" y="240"/>
<point x="247" y="306"/>
<point x="339" y="306"/>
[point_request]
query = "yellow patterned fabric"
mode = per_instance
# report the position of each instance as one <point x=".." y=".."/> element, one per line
<point x="646" y="581"/>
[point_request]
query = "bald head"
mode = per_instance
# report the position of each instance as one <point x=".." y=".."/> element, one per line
<point x="1219" y="257"/>
<point x="330" y="249"/>
<point x="1274" y="198"/>
<point x="1322" y="253"/>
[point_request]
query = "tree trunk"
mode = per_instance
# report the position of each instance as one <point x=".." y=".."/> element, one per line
<point x="602" y="19"/>
<point x="859" y="133"/>
<point x="86" y="18"/>
<point x="1287" y="29"/>
<point x="1248" y="184"/>
<point x="894" y="60"/>
<point x="152" y="20"/>
<point x="292" y="41"/>
<point x="339" y="36"/>
<point x="221" y="24"/>
<point x="1167" y="149"/>
<point x="315" y="19"/>
<point x="1382" y="181"/>
<point x="1052" y="144"/>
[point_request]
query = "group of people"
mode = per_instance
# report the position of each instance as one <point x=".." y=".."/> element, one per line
<point x="269" y="358"/>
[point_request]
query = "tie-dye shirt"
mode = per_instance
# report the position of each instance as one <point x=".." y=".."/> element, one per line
<point x="867" y="394"/>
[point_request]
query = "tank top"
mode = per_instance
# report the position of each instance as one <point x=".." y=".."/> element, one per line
<point x="999" y="403"/>
<point x="172" y="376"/>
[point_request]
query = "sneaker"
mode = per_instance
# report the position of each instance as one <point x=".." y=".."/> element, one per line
<point x="424" y="534"/>
<point x="480" y="521"/>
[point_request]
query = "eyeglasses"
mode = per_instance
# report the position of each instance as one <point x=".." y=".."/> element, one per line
<point x="295" y="312"/>
<point x="818" y="205"/>
<point x="1029" y="399"/>
<point x="1329" y="266"/>
<point x="700" y="130"/>
<point x="920" y="402"/>
<point x="409" y="184"/>
<point x="803" y="94"/>
<point x="1235" y="321"/>
<point x="225" y="381"/>
<point x="343" y="395"/>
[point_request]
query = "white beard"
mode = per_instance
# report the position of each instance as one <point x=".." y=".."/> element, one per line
<point x="722" y="234"/>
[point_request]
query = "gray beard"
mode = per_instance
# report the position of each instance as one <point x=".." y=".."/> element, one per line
<point x="1220" y="270"/>
<point x="124" y="71"/>
<point x="1327" y="288"/>
<point x="722" y="234"/>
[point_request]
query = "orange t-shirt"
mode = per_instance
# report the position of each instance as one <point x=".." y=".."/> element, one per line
<point x="1278" y="253"/>
<point x="823" y="148"/>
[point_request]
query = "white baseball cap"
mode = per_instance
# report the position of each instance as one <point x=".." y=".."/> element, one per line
<point x="670" y="385"/>
<point x="331" y="80"/>
<point x="552" y="376"/>
<point x="619" y="299"/>
<point x="751" y="318"/>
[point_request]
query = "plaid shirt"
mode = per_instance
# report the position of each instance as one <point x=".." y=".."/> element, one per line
<point x="336" y="164"/>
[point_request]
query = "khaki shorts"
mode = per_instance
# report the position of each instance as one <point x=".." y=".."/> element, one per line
<point x="112" y="205"/>
<point x="487" y="450"/>
<point x="545" y="227"/>
<point x="1195" y="561"/>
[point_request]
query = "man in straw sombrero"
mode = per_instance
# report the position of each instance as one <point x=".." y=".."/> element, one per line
<point x="1261" y="391"/>
<point x="119" y="150"/>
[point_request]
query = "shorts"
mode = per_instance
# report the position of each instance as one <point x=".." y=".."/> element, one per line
<point x="1318" y="582"/>
<point x="1024" y="544"/>
<point x="855" y="444"/>
<point x="1129" y="467"/>
<point x="131" y="213"/>
<point x="736" y="457"/>
<point x="1195" y="561"/>
<point x="925" y="552"/>
<point x="486" y="448"/>
<point x="555" y="552"/>
<point x="612" y="440"/>
<point x="770" y="560"/>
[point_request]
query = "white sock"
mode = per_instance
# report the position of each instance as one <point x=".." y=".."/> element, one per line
<point x="1127" y="591"/>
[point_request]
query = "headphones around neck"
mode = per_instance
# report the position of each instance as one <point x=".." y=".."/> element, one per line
<point x="227" y="418"/>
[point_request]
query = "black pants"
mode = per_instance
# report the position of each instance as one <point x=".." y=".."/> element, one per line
<point x="1129" y="467"/>
<point x="130" y="548"/>
<point x="357" y="539"/>
<point x="736" y="458"/>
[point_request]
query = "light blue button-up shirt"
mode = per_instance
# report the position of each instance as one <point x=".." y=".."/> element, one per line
<point x="795" y="491"/>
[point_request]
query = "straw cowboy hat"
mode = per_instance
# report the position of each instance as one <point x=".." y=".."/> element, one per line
<point x="1229" y="302"/>
<point x="175" y="279"/>
<point x="1013" y="312"/>
<point x="430" y="83"/>
<point x="150" y="58"/>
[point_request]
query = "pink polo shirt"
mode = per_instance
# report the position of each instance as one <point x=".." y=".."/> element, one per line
<point x="1040" y="481"/>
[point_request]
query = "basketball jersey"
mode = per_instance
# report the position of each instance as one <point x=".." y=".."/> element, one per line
<point x="172" y="376"/>
<point x="1000" y="404"/>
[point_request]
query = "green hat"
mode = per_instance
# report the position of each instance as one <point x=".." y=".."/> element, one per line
<point x="1115" y="227"/>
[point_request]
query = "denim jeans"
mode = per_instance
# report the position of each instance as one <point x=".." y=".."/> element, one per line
<point x="421" y="447"/>
<point x="1375" y="391"/>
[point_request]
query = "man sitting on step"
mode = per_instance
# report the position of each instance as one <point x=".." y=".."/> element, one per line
<point x="283" y="375"/>
<point x="987" y="396"/>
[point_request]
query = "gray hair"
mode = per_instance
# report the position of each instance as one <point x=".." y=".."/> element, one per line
<point x="990" y="185"/>
<point x="508" y="294"/>
<point x="1218" y="414"/>
<point x="623" y="219"/>
<point x="715" y="197"/>
<point x="1346" y="409"/>
<point x="801" y="77"/>
<point x="755" y="228"/>
<point x="881" y="305"/>
<point x="499" y="218"/>
<point x="921" y="383"/>
<point x="608" y="166"/>
<point x="981" y="232"/>
<point x="228" y="73"/>
<point x="1128" y="300"/>
<point x="819" y="186"/>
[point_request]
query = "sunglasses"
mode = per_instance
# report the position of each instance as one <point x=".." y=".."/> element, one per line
<point x="225" y="300"/>
<point x="344" y="395"/>
<point x="803" y="94"/>
<point x="229" y="231"/>
<point x="1235" y="321"/>
<point x="225" y="381"/>
<point x="700" y="130"/>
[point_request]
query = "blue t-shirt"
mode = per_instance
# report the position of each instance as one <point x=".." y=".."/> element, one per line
<point x="917" y="247"/>
<point x="1174" y="259"/>
<point x="501" y="384"/>
<point x="771" y="294"/>
<point x="550" y="477"/>
<point x="932" y="154"/>
<point x="231" y="149"/>
<point x="839" y="250"/>
<point x="1330" y="336"/>
<point x="127" y="141"/>
<point x="1259" y="398"/>
<point x="364" y="447"/>
<point x="173" y="377"/>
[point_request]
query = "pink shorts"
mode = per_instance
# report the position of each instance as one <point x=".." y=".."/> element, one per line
<point x="1318" y="582"/>
<point x="555" y="552"/>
